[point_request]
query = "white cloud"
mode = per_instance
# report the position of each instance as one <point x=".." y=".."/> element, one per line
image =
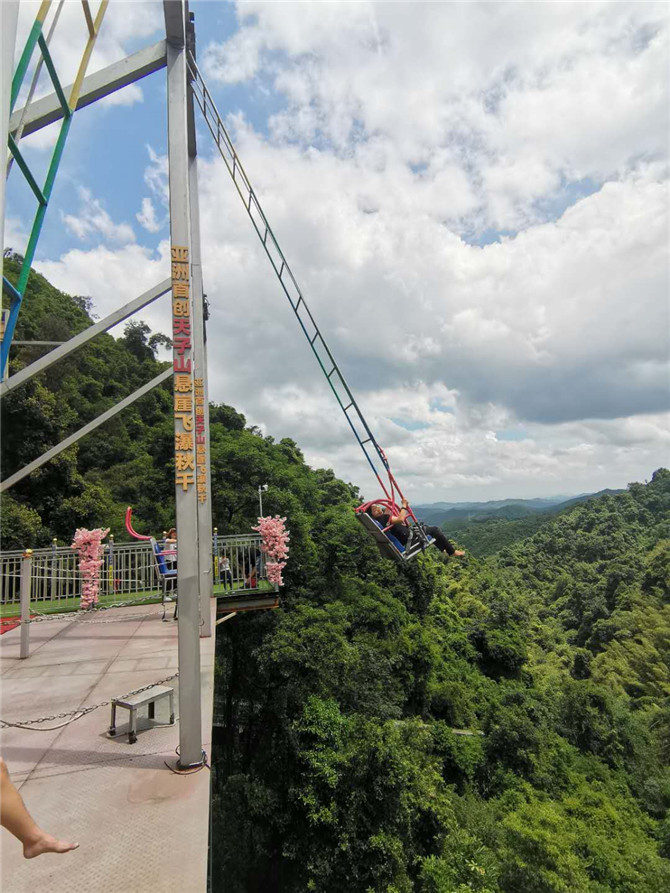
<point x="147" y="216"/>
<point x="398" y="134"/>
<point x="93" y="220"/>
<point x="156" y="175"/>
<point x="15" y="235"/>
<point x="513" y="98"/>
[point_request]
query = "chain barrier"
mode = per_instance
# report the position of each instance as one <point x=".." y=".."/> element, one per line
<point x="79" y="714"/>
<point x="86" y="612"/>
<point x="63" y="618"/>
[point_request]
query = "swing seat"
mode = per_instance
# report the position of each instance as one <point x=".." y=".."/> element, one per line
<point x="390" y="546"/>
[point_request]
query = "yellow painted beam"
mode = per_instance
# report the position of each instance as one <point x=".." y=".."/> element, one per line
<point x="83" y="65"/>
<point x="42" y="11"/>
<point x="88" y="17"/>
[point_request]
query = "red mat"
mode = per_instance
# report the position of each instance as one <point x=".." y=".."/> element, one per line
<point x="7" y="623"/>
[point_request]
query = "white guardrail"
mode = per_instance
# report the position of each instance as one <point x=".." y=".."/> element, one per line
<point x="128" y="569"/>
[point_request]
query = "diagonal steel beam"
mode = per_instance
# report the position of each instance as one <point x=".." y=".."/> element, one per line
<point x="107" y="323"/>
<point x="101" y="83"/>
<point x="82" y="432"/>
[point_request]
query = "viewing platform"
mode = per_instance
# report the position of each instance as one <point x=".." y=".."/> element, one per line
<point x="140" y="826"/>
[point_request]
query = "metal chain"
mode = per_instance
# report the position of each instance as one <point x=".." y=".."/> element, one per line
<point x="75" y="615"/>
<point x="78" y="714"/>
<point x="72" y="615"/>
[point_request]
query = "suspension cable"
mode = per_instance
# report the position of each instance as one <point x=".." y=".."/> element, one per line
<point x="287" y="280"/>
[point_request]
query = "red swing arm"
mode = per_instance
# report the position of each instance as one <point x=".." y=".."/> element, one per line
<point x="390" y="493"/>
<point x="129" y="526"/>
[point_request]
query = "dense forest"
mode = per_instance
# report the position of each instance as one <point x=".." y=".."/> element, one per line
<point x="339" y="762"/>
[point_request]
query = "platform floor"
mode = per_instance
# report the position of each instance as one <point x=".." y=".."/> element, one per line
<point x="140" y="827"/>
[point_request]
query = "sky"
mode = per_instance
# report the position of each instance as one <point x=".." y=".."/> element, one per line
<point x="472" y="196"/>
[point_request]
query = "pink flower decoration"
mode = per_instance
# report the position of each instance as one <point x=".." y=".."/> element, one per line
<point x="275" y="545"/>
<point x="88" y="544"/>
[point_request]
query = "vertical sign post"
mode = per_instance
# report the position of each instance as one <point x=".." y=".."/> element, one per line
<point x="190" y="731"/>
<point x="201" y="404"/>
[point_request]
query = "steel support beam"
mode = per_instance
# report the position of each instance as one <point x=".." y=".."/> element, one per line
<point x="82" y="432"/>
<point x="108" y="80"/>
<point x="176" y="16"/>
<point x="107" y="323"/>
<point x="190" y="713"/>
<point x="206" y="583"/>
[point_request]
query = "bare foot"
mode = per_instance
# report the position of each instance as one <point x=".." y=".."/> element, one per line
<point x="459" y="553"/>
<point x="47" y="844"/>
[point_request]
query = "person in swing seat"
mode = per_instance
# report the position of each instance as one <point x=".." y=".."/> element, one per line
<point x="402" y="532"/>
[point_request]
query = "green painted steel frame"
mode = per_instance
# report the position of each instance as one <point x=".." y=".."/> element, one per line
<point x="24" y="62"/>
<point x="25" y="170"/>
<point x="48" y="61"/>
<point x="42" y="195"/>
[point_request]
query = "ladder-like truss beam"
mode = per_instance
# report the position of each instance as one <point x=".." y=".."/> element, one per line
<point x="102" y="326"/>
<point x="82" y="432"/>
<point x="108" y="80"/>
<point x="275" y="255"/>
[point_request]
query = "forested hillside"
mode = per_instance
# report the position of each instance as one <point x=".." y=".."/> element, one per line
<point x="338" y="764"/>
<point x="339" y="768"/>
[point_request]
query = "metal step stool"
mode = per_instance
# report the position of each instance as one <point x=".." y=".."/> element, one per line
<point x="132" y="704"/>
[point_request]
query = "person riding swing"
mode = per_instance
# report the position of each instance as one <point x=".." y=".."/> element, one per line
<point x="397" y="526"/>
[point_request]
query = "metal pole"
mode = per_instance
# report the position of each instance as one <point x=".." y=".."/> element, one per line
<point x="204" y="487"/>
<point x="111" y="576"/>
<point x="190" y="732"/>
<point x="260" y="500"/>
<point x="26" y="577"/>
<point x="54" y="578"/>
<point x="206" y="584"/>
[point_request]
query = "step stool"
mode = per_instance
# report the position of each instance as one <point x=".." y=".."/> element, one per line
<point x="132" y="704"/>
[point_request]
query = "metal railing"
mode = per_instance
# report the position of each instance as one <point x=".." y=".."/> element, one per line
<point x="128" y="570"/>
<point x="238" y="562"/>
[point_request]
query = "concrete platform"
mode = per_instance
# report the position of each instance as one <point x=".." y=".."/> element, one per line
<point x="141" y="828"/>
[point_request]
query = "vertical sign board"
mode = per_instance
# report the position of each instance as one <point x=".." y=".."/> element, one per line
<point x="184" y="443"/>
<point x="203" y="476"/>
<point x="200" y="440"/>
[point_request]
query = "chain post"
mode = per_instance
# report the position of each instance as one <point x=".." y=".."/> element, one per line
<point x="54" y="572"/>
<point x="111" y="570"/>
<point x="26" y="578"/>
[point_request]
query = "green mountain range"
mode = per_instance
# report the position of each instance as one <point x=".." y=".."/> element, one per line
<point x="440" y="512"/>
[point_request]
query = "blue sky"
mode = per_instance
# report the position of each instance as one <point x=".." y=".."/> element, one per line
<point x="485" y="252"/>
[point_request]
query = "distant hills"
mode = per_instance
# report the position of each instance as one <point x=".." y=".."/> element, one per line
<point x="503" y="509"/>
